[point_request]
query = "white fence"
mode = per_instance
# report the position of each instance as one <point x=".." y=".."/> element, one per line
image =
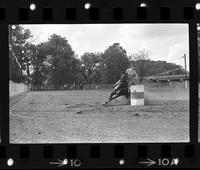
<point x="17" y="88"/>
<point x="171" y="84"/>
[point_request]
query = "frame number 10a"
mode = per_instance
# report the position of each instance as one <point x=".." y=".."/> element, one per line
<point x="161" y="162"/>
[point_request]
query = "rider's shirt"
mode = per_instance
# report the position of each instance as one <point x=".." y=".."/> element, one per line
<point x="131" y="72"/>
<point x="132" y="76"/>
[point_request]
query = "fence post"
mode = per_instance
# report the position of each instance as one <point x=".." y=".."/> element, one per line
<point x="186" y="86"/>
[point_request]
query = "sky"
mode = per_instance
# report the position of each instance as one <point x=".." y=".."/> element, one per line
<point x="168" y="42"/>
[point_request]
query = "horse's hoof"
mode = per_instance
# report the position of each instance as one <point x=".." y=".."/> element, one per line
<point x="105" y="103"/>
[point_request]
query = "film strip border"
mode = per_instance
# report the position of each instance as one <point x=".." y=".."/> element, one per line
<point x="94" y="155"/>
<point x="71" y="11"/>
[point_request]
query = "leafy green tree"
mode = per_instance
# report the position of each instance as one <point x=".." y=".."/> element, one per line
<point x="40" y="70"/>
<point x="28" y="53"/>
<point x="14" y="70"/>
<point x="61" y="60"/>
<point x="91" y="65"/>
<point x="115" y="61"/>
<point x="146" y="67"/>
<point x="159" y="67"/>
<point x="139" y="59"/>
<point x="18" y="38"/>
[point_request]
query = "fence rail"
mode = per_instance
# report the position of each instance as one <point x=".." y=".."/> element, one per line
<point x="17" y="88"/>
<point x="71" y="87"/>
<point x="170" y="77"/>
<point x="172" y="84"/>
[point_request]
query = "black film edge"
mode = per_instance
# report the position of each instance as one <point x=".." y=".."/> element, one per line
<point x="32" y="152"/>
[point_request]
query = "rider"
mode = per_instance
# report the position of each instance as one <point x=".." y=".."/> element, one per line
<point x="120" y="88"/>
<point x="132" y="75"/>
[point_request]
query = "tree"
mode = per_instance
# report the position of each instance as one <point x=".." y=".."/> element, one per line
<point x="159" y="67"/>
<point x="91" y="64"/>
<point x="139" y="59"/>
<point x="115" y="61"/>
<point x="28" y="53"/>
<point x="18" y="37"/>
<point x="14" y="69"/>
<point x="60" y="60"/>
<point x="40" y="70"/>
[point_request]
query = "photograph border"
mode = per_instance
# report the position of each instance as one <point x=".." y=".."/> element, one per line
<point x="125" y="155"/>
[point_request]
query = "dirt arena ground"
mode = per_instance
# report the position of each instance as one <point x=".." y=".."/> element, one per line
<point x="79" y="117"/>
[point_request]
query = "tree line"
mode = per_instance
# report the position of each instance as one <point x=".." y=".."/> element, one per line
<point x="54" y="62"/>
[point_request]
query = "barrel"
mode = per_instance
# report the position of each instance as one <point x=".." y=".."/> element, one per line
<point x="137" y="95"/>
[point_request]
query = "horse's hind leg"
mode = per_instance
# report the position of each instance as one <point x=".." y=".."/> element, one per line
<point x="112" y="94"/>
<point x="114" y="97"/>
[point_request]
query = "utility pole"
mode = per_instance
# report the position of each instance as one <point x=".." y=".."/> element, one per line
<point x="184" y="56"/>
